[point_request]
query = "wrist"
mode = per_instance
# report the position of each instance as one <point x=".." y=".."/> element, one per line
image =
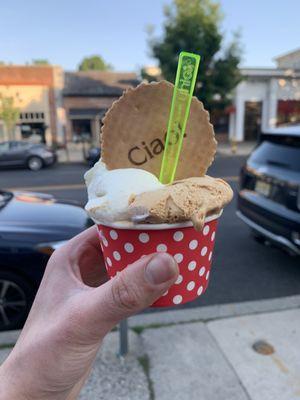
<point x="10" y="387"/>
<point x="14" y="385"/>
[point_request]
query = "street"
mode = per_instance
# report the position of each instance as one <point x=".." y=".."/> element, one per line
<point x="243" y="269"/>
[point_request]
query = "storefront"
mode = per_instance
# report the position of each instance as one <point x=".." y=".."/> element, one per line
<point x="87" y="96"/>
<point x="36" y="92"/>
<point x="266" y="98"/>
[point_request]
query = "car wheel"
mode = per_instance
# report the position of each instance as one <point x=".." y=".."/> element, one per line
<point x="16" y="297"/>
<point x="35" y="163"/>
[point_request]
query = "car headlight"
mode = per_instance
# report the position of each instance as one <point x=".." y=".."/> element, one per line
<point x="49" y="248"/>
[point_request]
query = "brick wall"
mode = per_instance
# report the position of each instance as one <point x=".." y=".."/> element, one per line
<point x="23" y="75"/>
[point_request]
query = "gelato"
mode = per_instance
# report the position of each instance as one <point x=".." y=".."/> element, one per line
<point x="135" y="195"/>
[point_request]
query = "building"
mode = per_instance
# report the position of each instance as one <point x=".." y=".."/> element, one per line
<point x="37" y="93"/>
<point x="87" y="96"/>
<point x="266" y="98"/>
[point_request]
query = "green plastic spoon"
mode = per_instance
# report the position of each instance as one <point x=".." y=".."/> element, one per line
<point x="180" y="108"/>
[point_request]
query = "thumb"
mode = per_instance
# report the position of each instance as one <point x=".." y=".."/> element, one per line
<point x="133" y="289"/>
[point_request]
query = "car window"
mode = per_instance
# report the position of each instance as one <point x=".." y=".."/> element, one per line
<point x="4" y="147"/>
<point x="278" y="154"/>
<point x="17" y="145"/>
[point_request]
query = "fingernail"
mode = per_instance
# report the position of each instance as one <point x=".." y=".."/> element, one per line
<point x="161" y="268"/>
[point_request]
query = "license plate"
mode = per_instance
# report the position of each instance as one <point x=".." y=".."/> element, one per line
<point x="263" y="188"/>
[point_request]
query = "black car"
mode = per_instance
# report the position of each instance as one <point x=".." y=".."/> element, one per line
<point x="32" y="226"/>
<point x="269" y="199"/>
<point x="24" y="154"/>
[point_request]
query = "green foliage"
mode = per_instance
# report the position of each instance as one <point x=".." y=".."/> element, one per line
<point x="94" y="63"/>
<point x="194" y="25"/>
<point x="40" y="61"/>
<point x="8" y="112"/>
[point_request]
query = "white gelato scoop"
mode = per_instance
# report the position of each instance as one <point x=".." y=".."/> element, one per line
<point x="109" y="191"/>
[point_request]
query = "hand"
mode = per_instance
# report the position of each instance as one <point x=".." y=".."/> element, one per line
<point x="71" y="314"/>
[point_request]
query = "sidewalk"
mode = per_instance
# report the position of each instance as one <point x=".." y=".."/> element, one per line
<point x="73" y="153"/>
<point x="204" y="353"/>
<point x="239" y="149"/>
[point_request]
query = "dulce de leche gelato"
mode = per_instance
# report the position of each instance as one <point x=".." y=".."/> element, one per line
<point x="188" y="199"/>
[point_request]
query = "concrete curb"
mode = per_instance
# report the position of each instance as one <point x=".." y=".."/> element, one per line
<point x="206" y="313"/>
<point x="9" y="338"/>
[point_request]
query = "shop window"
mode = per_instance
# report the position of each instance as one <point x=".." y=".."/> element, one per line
<point x="288" y="112"/>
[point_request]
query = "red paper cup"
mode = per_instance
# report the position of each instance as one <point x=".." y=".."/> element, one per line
<point x="122" y="245"/>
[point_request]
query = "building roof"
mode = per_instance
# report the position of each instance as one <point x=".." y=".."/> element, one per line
<point x="295" y="52"/>
<point x="98" y="83"/>
<point x="270" y="73"/>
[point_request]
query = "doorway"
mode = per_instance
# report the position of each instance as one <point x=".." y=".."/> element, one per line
<point x="81" y="129"/>
<point x="252" y="124"/>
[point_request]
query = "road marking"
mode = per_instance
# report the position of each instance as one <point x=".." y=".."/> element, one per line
<point x="82" y="186"/>
<point x="49" y="187"/>
<point x="231" y="178"/>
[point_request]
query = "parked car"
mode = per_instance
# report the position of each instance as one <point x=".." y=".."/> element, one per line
<point x="32" y="226"/>
<point x="93" y="156"/>
<point x="269" y="199"/>
<point x="24" y="154"/>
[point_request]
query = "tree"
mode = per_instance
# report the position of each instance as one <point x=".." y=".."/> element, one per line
<point x="9" y="114"/>
<point x="194" y="26"/>
<point x="94" y="63"/>
<point x="40" y="61"/>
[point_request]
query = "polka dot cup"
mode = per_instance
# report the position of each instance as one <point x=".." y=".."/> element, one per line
<point x="191" y="249"/>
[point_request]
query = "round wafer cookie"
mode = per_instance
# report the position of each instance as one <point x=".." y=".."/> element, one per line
<point x="134" y="131"/>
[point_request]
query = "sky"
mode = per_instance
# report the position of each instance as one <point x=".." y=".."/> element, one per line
<point x="64" y="31"/>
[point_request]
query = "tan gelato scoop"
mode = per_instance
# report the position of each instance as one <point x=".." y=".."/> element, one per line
<point x="134" y="132"/>
<point x="189" y="199"/>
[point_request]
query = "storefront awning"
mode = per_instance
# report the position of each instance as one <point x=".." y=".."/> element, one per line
<point x="86" y="113"/>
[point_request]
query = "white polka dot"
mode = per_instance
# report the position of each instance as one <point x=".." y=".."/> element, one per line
<point x="113" y="234"/>
<point x="117" y="255"/>
<point x="108" y="261"/>
<point x="192" y="265"/>
<point x="190" y="286"/>
<point x="193" y="244"/>
<point x="200" y="290"/>
<point x="179" y="280"/>
<point x="104" y="241"/>
<point x="178" y="257"/>
<point x="206" y="230"/>
<point x="177" y="299"/>
<point x="203" y="251"/>
<point x="161" y="247"/>
<point x="166" y="293"/>
<point x="210" y="256"/>
<point x="213" y="235"/>
<point x="178" y="236"/>
<point x="128" y="247"/>
<point x="144" y="237"/>
<point x="202" y="271"/>
<point x="207" y="275"/>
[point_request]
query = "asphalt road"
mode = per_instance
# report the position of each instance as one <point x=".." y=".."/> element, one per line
<point x="242" y="269"/>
